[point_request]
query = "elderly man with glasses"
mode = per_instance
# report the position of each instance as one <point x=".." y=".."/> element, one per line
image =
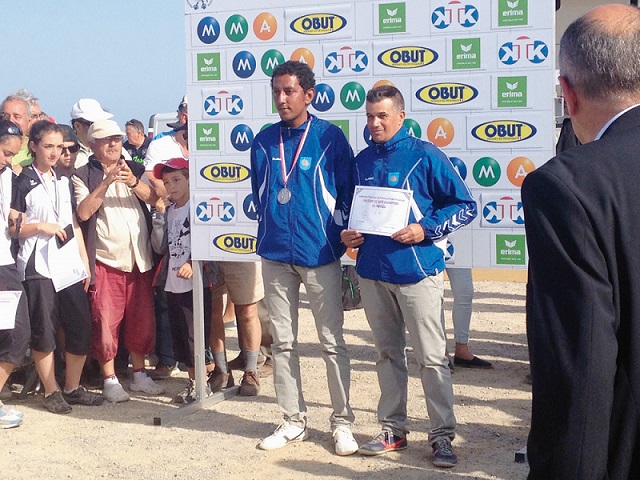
<point x="116" y="224"/>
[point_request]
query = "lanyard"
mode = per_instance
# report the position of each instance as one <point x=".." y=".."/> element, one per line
<point x="285" y="175"/>
<point x="55" y="200"/>
<point x="3" y="207"/>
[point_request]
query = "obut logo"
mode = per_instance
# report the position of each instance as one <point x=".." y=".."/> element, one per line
<point x="408" y="57"/>
<point x="225" y="172"/>
<point x="446" y="93"/>
<point x="236" y="243"/>
<point x="318" y="24"/>
<point x="503" y="131"/>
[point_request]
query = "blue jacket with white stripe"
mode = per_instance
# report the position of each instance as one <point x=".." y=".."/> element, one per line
<point x="441" y="204"/>
<point x="306" y="230"/>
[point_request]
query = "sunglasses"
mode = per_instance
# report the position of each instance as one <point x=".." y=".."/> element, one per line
<point x="10" y="130"/>
<point x="72" y="148"/>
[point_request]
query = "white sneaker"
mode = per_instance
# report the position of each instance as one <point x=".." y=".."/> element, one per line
<point x="286" y="433"/>
<point x="147" y="386"/>
<point x="114" y="393"/>
<point x="343" y="441"/>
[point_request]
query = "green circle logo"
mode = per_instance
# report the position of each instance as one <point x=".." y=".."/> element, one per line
<point x="270" y="60"/>
<point x="236" y="28"/>
<point x="413" y="127"/>
<point x="353" y="96"/>
<point x="486" y="171"/>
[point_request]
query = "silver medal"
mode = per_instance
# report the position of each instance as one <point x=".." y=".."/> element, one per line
<point x="284" y="196"/>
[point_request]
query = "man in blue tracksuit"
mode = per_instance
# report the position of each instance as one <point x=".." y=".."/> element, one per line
<point x="401" y="276"/>
<point x="301" y="180"/>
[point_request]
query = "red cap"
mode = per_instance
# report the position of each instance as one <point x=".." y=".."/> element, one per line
<point x="174" y="164"/>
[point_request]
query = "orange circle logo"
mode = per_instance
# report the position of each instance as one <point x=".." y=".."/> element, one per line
<point x="380" y="83"/>
<point x="519" y="168"/>
<point x="440" y="132"/>
<point x="265" y="26"/>
<point x="304" y="55"/>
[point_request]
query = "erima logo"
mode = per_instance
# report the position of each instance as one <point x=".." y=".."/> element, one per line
<point x="535" y="51"/>
<point x="208" y="30"/>
<point x="215" y="208"/>
<point x="446" y="93"/>
<point x="223" y="101"/>
<point x="513" y="12"/>
<point x="504" y="210"/>
<point x="242" y="137"/>
<point x="225" y="173"/>
<point x="318" y="24"/>
<point x="392" y="16"/>
<point x="504" y="131"/>
<point x="236" y="243"/>
<point x="324" y="98"/>
<point x="466" y="55"/>
<point x="355" y="60"/>
<point x="408" y="57"/>
<point x="512" y="93"/>
<point x="206" y="137"/>
<point x="455" y="12"/>
<point x="244" y="64"/>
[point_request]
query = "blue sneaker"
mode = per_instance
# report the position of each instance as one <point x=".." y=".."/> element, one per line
<point x="443" y="454"/>
<point x="384" y="442"/>
<point x="9" y="418"/>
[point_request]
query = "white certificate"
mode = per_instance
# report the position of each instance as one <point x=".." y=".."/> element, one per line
<point x="65" y="264"/>
<point x="8" y="307"/>
<point x="380" y="210"/>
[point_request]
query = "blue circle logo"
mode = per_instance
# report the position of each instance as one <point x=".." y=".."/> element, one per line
<point x="208" y="30"/>
<point x="244" y="64"/>
<point x="324" y="97"/>
<point x="249" y="207"/>
<point x="459" y="165"/>
<point x="241" y="137"/>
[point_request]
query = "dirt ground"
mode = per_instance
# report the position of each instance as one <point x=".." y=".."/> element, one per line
<point x="119" y="441"/>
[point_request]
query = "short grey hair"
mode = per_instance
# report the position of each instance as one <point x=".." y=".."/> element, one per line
<point x="18" y="98"/>
<point x="600" y="59"/>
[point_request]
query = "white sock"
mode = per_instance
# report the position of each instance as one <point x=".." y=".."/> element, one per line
<point x="111" y="381"/>
<point x="139" y="376"/>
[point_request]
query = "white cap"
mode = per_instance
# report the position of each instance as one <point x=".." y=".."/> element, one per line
<point x="90" y="110"/>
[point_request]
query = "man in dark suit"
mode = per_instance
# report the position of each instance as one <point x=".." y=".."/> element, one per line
<point x="582" y="212"/>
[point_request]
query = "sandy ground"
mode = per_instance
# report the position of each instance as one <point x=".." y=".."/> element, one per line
<point x="219" y="441"/>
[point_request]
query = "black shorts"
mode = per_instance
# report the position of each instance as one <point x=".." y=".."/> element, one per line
<point x="182" y="328"/>
<point x="48" y="310"/>
<point x="14" y="343"/>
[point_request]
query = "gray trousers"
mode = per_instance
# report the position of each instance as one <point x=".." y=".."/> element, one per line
<point x="389" y="307"/>
<point x="462" y="288"/>
<point x="282" y="294"/>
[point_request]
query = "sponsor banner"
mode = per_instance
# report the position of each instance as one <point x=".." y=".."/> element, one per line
<point x="509" y="130"/>
<point x="239" y="136"/>
<point x="467" y="54"/>
<point x="458" y="250"/>
<point x="321" y="23"/>
<point x="233" y="243"/>
<point x="347" y="59"/>
<point x="520" y="14"/>
<point x="218" y="172"/>
<point x="491" y="170"/>
<point x="510" y="249"/>
<point x="257" y="62"/>
<point x="205" y="136"/>
<point x="215" y="208"/>
<point x="417" y="57"/>
<point x="207" y="66"/>
<point x="444" y="93"/>
<point x="218" y="29"/>
<point x="500" y="210"/>
<point x="522" y="90"/>
<point x="524" y="50"/>
<point x="455" y="16"/>
<point x="225" y="102"/>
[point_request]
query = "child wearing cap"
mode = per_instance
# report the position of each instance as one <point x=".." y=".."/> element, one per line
<point x="171" y="236"/>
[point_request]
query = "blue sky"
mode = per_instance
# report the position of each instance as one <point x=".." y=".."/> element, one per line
<point x="127" y="54"/>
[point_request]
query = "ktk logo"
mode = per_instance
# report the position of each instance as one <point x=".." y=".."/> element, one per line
<point x="503" y="211"/>
<point x="242" y="137"/>
<point x="215" y="208"/>
<point x="535" y="51"/>
<point x="208" y="30"/>
<point x="244" y="64"/>
<point x="346" y="58"/>
<point x="223" y="102"/>
<point x="455" y="12"/>
<point x="324" y="98"/>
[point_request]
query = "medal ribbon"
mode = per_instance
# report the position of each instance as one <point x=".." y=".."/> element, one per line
<point x="285" y="175"/>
